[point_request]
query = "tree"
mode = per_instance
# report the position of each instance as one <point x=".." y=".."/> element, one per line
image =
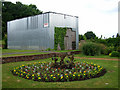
<point x="101" y="37"/>
<point x="117" y="35"/>
<point x="90" y="35"/>
<point x="11" y="11"/>
<point x="81" y="37"/>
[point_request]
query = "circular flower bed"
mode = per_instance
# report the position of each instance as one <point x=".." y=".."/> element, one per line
<point x="43" y="71"/>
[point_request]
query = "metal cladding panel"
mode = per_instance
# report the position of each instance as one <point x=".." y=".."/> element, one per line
<point x="29" y="33"/>
<point x="62" y="20"/>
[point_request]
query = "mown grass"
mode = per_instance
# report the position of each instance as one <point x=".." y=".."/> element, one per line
<point x="109" y="80"/>
<point x="16" y="50"/>
<point x="100" y="56"/>
<point x="9" y="55"/>
<point x="66" y="50"/>
<point x="29" y="52"/>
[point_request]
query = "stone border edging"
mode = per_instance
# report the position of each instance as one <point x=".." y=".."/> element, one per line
<point x="32" y="57"/>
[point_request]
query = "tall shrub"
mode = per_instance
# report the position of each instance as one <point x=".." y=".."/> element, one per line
<point x="91" y="49"/>
<point x="114" y="54"/>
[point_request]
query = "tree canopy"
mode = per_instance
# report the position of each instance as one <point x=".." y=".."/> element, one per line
<point x="11" y="11"/>
<point x="90" y="35"/>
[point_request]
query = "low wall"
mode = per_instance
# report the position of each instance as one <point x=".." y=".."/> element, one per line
<point x="31" y="57"/>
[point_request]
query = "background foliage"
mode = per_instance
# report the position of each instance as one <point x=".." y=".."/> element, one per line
<point x="90" y="35"/>
<point x="107" y="45"/>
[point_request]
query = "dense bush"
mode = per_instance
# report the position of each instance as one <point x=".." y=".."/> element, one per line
<point x="115" y="54"/>
<point x="109" y="49"/>
<point x="102" y="48"/>
<point x="91" y="49"/>
<point x="118" y="49"/>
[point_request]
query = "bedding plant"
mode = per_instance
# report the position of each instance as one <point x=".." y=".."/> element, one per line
<point x="59" y="72"/>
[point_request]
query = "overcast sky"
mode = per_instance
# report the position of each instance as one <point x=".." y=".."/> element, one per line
<point x="99" y="16"/>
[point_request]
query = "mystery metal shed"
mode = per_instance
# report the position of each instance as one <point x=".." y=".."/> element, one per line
<point x="37" y="32"/>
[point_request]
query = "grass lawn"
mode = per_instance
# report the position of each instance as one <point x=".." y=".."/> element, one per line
<point x="109" y="80"/>
<point x="34" y="52"/>
<point x="100" y="56"/>
<point x="16" y="50"/>
<point x="9" y="55"/>
<point x="66" y="50"/>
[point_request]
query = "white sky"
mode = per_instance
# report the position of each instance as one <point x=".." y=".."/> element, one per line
<point x="99" y="16"/>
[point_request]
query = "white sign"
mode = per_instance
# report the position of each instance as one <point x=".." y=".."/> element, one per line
<point x="45" y="24"/>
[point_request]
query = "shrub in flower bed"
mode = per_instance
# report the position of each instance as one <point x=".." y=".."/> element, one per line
<point x="43" y="71"/>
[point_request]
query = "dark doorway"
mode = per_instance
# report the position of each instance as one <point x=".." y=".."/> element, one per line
<point x="73" y="45"/>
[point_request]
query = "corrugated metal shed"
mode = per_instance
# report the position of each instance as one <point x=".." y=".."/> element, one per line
<point x="37" y="32"/>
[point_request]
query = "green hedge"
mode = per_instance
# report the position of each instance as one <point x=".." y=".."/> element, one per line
<point x="91" y="49"/>
<point x="114" y="54"/>
<point x="59" y="37"/>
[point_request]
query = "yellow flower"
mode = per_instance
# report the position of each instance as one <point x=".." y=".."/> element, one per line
<point x="67" y="76"/>
<point x="58" y="74"/>
<point x="78" y="74"/>
<point x="14" y="70"/>
<point x="39" y="77"/>
<point x="45" y="74"/>
<point x="84" y="74"/>
<point x="61" y="77"/>
<point x="21" y="74"/>
<point x="46" y="78"/>
<point x="110" y="54"/>
<point x="73" y="75"/>
<point x="54" y="77"/>
<point x="98" y="66"/>
<point x="22" y="65"/>
<point x="51" y="75"/>
<point x="24" y="72"/>
<point x="27" y="77"/>
<point x="74" y="72"/>
<point x="33" y="75"/>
